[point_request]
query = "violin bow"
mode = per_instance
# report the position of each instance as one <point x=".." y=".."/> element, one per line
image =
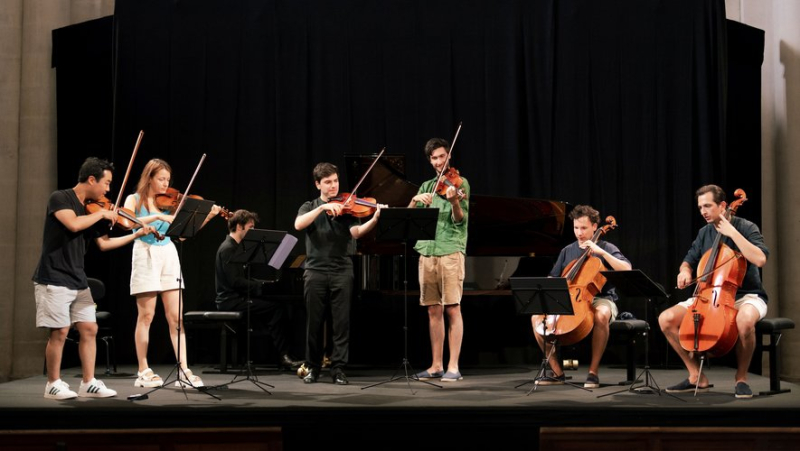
<point x="128" y="171"/>
<point x="452" y="145"/>
<point x="186" y="193"/>
<point x="353" y="192"/>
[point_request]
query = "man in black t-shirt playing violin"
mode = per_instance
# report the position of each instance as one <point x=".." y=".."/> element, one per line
<point x="62" y="291"/>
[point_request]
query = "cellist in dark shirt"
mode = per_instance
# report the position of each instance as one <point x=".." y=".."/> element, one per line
<point x="585" y="221"/>
<point x="751" y="299"/>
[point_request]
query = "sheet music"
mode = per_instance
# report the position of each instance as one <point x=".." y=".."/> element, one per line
<point x="282" y="252"/>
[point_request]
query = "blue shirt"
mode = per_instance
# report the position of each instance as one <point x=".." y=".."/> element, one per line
<point x="160" y="226"/>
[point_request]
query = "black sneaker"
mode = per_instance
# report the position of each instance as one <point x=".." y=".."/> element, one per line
<point x="743" y="391"/>
<point x="339" y="378"/>
<point x="312" y="376"/>
<point x="592" y="381"/>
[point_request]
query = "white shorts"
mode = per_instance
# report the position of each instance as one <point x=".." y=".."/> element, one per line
<point x="751" y="299"/>
<point x="154" y="268"/>
<point x="59" y="307"/>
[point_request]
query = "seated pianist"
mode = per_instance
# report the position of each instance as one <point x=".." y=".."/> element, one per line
<point x="233" y="287"/>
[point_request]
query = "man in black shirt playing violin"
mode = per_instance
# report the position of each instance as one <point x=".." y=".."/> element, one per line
<point x="63" y="298"/>
<point x="751" y="300"/>
<point x="328" y="277"/>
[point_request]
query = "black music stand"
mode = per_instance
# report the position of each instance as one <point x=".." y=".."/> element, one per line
<point x="636" y="284"/>
<point x="187" y="223"/>
<point x="259" y="246"/>
<point x="543" y="296"/>
<point x="406" y="224"/>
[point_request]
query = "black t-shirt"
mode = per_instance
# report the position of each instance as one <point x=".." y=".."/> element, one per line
<point x="329" y="245"/>
<point x="62" y="259"/>
<point x="231" y="278"/>
<point x="705" y="239"/>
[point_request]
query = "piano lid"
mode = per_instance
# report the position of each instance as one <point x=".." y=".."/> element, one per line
<point x="498" y="226"/>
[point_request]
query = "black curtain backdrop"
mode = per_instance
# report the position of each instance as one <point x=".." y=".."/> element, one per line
<point x="621" y="104"/>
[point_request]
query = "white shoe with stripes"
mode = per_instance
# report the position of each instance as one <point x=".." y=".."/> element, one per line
<point x="95" y="389"/>
<point x="58" y="390"/>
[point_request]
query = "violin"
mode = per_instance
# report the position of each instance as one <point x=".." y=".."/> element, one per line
<point x="711" y="326"/>
<point x="170" y="200"/>
<point x="584" y="282"/>
<point x="126" y="219"/>
<point x="354" y="206"/>
<point x="450" y="177"/>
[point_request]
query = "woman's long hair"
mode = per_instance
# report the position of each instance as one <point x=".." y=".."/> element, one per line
<point x="150" y="170"/>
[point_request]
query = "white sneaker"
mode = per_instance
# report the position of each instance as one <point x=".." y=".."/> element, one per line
<point x="58" y="390"/>
<point x="148" y="379"/>
<point x="95" y="389"/>
<point x="189" y="381"/>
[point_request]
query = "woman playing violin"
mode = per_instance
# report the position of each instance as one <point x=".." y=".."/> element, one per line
<point x="155" y="269"/>
<point x="328" y="278"/>
<point x="585" y="220"/>
<point x="751" y="300"/>
<point x="441" y="263"/>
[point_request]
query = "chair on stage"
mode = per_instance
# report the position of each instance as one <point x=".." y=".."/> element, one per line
<point x="773" y="328"/>
<point x="228" y="325"/>
<point x="630" y="331"/>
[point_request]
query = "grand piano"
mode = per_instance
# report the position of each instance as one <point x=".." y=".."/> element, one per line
<point x="508" y="236"/>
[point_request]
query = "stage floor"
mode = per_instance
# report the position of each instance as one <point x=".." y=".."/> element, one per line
<point x="401" y="413"/>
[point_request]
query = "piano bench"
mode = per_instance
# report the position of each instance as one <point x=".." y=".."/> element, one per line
<point x="771" y="327"/>
<point x="226" y="322"/>
<point x="630" y="329"/>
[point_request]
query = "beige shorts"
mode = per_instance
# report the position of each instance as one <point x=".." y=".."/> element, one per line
<point x="751" y="299"/>
<point x="600" y="300"/>
<point x="441" y="279"/>
<point x="59" y="307"/>
<point x="154" y="268"/>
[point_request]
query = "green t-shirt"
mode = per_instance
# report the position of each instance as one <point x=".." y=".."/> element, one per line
<point x="451" y="236"/>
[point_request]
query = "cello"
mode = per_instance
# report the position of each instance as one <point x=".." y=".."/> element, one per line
<point x="584" y="282"/>
<point x="711" y="326"/>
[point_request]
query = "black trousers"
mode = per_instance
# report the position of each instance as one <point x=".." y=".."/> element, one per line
<point x="323" y="291"/>
<point x="265" y="316"/>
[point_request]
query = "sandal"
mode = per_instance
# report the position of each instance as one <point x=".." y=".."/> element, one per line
<point x="190" y="380"/>
<point x="148" y="379"/>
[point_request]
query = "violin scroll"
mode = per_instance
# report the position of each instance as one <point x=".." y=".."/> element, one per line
<point x="611" y="224"/>
<point x="741" y="198"/>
